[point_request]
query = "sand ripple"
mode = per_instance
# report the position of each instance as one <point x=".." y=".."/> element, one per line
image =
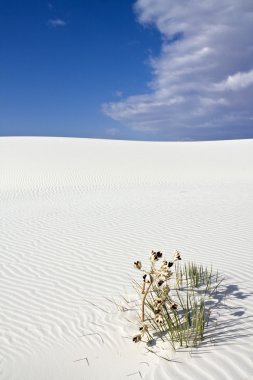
<point x="74" y="216"/>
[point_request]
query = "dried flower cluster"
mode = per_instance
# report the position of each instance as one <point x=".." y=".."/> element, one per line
<point x="158" y="277"/>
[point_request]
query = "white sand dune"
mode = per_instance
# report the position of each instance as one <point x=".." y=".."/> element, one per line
<point x="76" y="213"/>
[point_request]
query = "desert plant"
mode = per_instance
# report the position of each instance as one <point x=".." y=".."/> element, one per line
<point x="177" y="312"/>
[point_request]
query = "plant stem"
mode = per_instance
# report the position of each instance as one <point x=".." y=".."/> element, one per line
<point x="144" y="298"/>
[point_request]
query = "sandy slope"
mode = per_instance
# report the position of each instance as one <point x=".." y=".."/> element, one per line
<point x="75" y="214"/>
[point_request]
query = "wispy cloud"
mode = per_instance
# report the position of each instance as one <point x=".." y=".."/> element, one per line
<point x="236" y="82"/>
<point x="203" y="78"/>
<point x="56" y="22"/>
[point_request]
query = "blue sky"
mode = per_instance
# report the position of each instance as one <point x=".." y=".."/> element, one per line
<point x="146" y="69"/>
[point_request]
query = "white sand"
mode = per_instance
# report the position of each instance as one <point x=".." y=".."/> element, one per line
<point x="76" y="213"/>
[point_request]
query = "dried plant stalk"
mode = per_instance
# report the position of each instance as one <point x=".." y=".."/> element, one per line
<point x="144" y="298"/>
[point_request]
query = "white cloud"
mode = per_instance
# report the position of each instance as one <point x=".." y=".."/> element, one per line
<point x="57" y="22"/>
<point x="207" y="48"/>
<point x="236" y="82"/>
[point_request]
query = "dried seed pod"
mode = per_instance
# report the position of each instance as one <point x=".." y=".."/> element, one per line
<point x="177" y="256"/>
<point x="143" y="329"/>
<point x="174" y="306"/>
<point x="137" y="338"/>
<point x="158" y="301"/>
<point x="159" y="254"/>
<point x="164" y="265"/>
<point x="147" y="278"/>
<point x="159" y="319"/>
<point x="157" y="310"/>
<point x="137" y="265"/>
<point x="160" y="282"/>
<point x="153" y="256"/>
